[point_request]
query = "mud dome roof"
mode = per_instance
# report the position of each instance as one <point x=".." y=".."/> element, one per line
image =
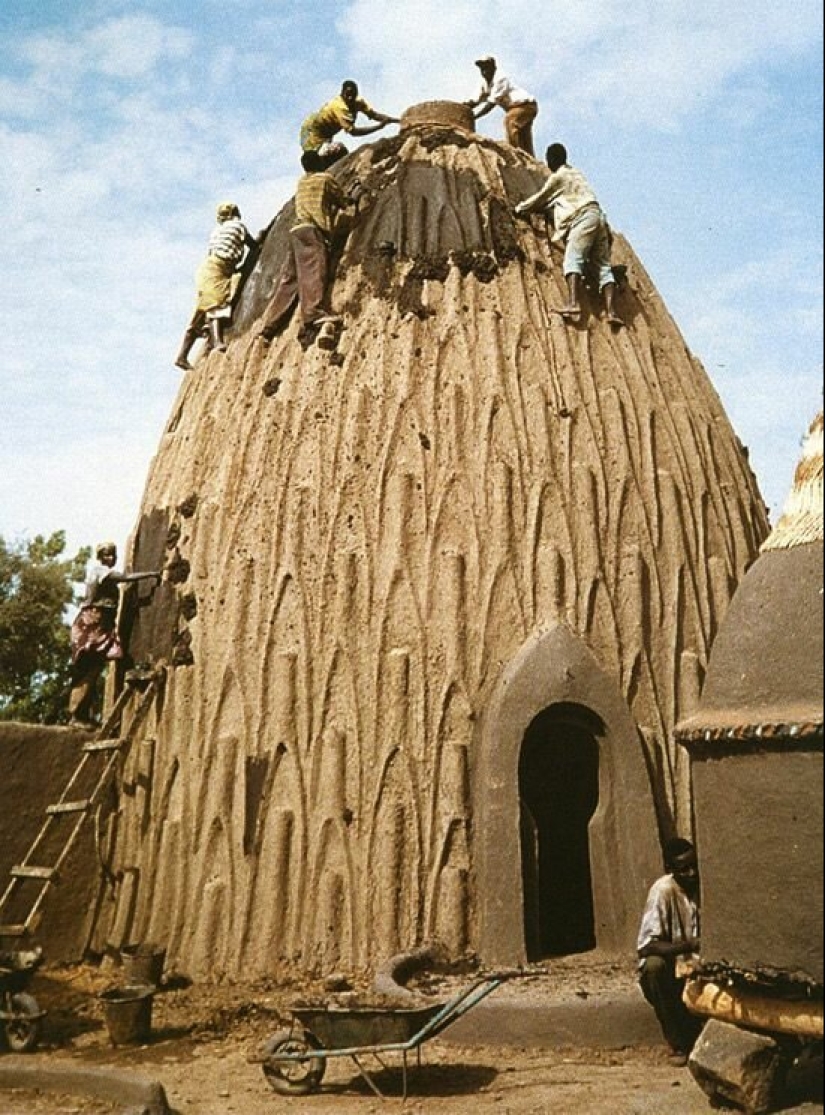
<point x="467" y="512"/>
<point x="765" y="675"/>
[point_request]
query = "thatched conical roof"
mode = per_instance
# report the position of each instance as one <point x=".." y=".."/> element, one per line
<point x="801" y="519"/>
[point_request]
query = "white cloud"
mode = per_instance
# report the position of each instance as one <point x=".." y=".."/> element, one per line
<point x="134" y="45"/>
<point x="97" y="474"/>
<point x="125" y="48"/>
<point x="120" y="135"/>
<point x="766" y="365"/>
<point x="643" y="64"/>
<point x="110" y="179"/>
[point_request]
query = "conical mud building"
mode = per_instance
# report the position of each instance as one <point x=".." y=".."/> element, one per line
<point x="434" y="601"/>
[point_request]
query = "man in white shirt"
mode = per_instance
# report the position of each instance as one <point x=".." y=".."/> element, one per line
<point x="669" y="930"/>
<point x="95" y="640"/>
<point x="520" y="107"/>
<point x="580" y="223"/>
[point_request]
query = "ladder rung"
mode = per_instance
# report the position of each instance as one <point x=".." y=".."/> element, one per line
<point x="22" y="871"/>
<point x="13" y="931"/>
<point x="103" y="745"/>
<point x="67" y="807"/>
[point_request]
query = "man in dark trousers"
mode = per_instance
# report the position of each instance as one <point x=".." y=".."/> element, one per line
<point x="318" y="201"/>
<point x="669" y="930"/>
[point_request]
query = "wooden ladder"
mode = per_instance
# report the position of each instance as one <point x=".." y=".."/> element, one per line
<point x="39" y="870"/>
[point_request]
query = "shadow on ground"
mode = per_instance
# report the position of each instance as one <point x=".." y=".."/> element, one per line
<point x="433" y="1081"/>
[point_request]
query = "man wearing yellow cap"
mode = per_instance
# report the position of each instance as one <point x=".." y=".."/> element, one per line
<point x="520" y="107"/>
<point x="217" y="279"/>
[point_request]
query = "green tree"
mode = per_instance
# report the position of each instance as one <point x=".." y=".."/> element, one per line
<point x="37" y="584"/>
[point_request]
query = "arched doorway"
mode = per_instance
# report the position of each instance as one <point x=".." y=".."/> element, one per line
<point x="556" y="670"/>
<point x="559" y="793"/>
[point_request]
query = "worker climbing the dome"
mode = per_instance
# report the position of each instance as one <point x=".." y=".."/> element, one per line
<point x="319" y="200"/>
<point x="217" y="280"/>
<point x="580" y="223"/>
<point x="520" y="107"/>
<point x="320" y="128"/>
<point x="94" y="636"/>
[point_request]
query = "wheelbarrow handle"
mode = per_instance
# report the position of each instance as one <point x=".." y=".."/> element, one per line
<point x="504" y="974"/>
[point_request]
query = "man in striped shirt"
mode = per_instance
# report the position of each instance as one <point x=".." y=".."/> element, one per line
<point x="217" y="281"/>
<point x="337" y="115"/>
<point x="318" y="201"/>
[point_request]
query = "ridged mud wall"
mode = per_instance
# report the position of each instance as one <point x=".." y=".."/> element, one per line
<point x="358" y="543"/>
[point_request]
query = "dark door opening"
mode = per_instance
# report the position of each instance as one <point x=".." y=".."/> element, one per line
<point x="559" y="792"/>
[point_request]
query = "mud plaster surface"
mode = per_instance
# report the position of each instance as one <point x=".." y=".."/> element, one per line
<point x="371" y="540"/>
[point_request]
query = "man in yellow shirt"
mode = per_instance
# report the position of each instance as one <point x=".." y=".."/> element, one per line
<point x="339" y="114"/>
<point x="318" y="201"/>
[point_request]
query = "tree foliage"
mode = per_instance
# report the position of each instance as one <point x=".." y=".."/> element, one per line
<point x="37" y="584"/>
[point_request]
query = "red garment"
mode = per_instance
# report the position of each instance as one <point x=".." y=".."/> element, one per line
<point x="93" y="633"/>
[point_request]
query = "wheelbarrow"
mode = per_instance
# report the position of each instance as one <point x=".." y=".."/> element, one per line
<point x="294" y="1061"/>
<point x="20" y="1015"/>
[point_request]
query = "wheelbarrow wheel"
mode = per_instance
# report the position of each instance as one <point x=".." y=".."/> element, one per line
<point x="292" y="1078"/>
<point x="23" y="1031"/>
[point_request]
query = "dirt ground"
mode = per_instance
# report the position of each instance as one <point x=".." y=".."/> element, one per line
<point x="201" y="1036"/>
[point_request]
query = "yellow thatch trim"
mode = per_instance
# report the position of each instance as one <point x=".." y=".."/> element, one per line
<point x="801" y="519"/>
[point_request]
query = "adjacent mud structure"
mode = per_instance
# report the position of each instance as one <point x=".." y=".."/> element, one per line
<point x="36" y="764"/>
<point x="435" y="600"/>
<point x="756" y="747"/>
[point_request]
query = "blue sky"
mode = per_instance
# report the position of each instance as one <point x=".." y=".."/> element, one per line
<point x="122" y="124"/>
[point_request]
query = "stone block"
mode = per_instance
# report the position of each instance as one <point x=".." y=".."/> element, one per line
<point x="738" y="1066"/>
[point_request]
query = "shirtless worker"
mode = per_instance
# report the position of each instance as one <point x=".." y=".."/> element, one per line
<point x="339" y="114"/>
<point x="581" y="225"/>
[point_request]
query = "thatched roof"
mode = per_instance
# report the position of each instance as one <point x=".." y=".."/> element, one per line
<point x="801" y="519"/>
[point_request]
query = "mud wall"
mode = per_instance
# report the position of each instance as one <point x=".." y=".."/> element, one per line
<point x="365" y="540"/>
<point x="759" y="838"/>
<point x="36" y="763"/>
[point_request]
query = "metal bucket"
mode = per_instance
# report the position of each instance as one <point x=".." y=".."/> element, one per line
<point x="143" y="964"/>
<point x="128" y="1013"/>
